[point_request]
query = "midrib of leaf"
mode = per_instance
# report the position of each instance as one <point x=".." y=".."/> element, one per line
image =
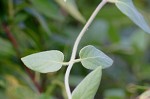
<point x="125" y="5"/>
<point x="122" y="3"/>
<point x="91" y="58"/>
<point x="47" y="62"/>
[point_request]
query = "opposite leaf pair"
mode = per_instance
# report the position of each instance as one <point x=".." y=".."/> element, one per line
<point x="90" y="57"/>
<point x="51" y="61"/>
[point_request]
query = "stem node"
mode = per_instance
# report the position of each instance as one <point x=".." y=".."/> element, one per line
<point x="76" y="46"/>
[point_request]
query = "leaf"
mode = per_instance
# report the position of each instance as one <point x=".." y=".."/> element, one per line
<point x="145" y="95"/>
<point x="48" y="8"/>
<point x="15" y="90"/>
<point x="41" y="20"/>
<point x="91" y="58"/>
<point x="127" y="7"/>
<point x="71" y="8"/>
<point x="89" y="85"/>
<point x="45" y="96"/>
<point x="6" y="48"/>
<point x="48" y="61"/>
<point x="20" y="18"/>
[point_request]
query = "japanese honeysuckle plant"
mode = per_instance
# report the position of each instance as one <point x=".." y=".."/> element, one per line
<point x="90" y="57"/>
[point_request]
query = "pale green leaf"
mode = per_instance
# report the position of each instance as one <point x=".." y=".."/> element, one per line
<point x="88" y="87"/>
<point x="71" y="8"/>
<point x="127" y="7"/>
<point x="91" y="58"/>
<point x="48" y="61"/>
<point x="145" y="95"/>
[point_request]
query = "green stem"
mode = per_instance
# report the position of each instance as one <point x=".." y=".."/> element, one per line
<point x="10" y="9"/>
<point x="76" y="46"/>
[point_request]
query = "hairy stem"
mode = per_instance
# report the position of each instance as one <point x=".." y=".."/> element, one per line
<point x="75" y="47"/>
<point x="74" y="61"/>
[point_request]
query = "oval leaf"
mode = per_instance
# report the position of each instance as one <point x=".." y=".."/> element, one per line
<point x="127" y="7"/>
<point x="88" y="87"/>
<point x="48" y="61"/>
<point x="91" y="58"/>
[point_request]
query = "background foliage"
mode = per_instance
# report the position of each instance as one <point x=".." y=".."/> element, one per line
<point x="29" y="26"/>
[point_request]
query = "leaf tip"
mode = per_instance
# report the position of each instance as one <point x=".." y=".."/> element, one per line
<point x="22" y="59"/>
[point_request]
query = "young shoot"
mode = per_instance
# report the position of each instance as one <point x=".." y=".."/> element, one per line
<point x="90" y="57"/>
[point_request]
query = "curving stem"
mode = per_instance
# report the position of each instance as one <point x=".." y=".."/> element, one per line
<point x="71" y="62"/>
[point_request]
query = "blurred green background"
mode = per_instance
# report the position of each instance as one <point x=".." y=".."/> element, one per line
<point x="29" y="26"/>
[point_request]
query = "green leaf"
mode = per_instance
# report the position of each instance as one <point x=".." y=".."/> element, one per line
<point x="45" y="96"/>
<point x="71" y="8"/>
<point x="88" y="87"/>
<point x="20" y="92"/>
<point x="48" y="61"/>
<point x="48" y="8"/>
<point x="6" y="49"/>
<point x="41" y="20"/>
<point x="91" y="58"/>
<point x="127" y="7"/>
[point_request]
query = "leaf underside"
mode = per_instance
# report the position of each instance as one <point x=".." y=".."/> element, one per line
<point x="88" y="86"/>
<point x="127" y="7"/>
<point x="43" y="62"/>
<point x="91" y="58"/>
<point x="145" y="95"/>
